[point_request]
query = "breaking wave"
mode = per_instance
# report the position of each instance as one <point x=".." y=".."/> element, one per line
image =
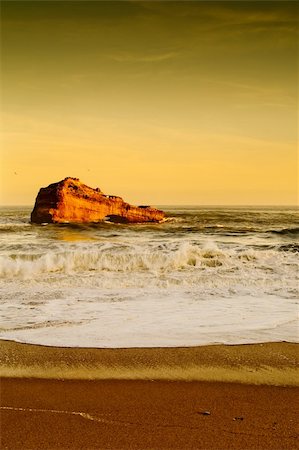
<point x="116" y="259"/>
<point x="291" y="231"/>
<point x="160" y="258"/>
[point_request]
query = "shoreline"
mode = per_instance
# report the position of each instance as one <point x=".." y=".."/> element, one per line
<point x="266" y="363"/>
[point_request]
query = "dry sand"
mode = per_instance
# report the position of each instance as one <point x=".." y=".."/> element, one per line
<point x="213" y="397"/>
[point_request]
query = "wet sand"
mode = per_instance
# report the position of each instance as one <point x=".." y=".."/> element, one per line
<point x="214" y="397"/>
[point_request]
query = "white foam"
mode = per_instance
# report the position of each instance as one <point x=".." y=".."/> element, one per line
<point x="156" y="319"/>
<point x="161" y="257"/>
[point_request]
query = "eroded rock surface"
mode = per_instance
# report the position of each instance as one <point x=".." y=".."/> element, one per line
<point x="70" y="200"/>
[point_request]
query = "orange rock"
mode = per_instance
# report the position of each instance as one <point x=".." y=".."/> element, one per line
<point x="70" y="200"/>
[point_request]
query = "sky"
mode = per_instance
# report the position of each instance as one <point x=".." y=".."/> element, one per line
<point x="158" y="102"/>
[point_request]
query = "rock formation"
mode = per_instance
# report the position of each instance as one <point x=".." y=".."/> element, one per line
<point x="70" y="200"/>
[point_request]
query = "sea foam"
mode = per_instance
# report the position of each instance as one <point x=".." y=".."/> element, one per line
<point x="207" y="276"/>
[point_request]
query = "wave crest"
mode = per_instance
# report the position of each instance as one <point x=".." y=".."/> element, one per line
<point x="158" y="258"/>
<point x="115" y="259"/>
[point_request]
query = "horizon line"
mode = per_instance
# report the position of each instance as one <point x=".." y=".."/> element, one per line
<point x="188" y="205"/>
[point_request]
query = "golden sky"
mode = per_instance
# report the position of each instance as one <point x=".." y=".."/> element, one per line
<point x="158" y="102"/>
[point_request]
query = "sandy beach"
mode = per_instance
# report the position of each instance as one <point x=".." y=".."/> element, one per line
<point x="213" y="397"/>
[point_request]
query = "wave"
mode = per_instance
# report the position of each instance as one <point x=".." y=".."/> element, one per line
<point x="289" y="248"/>
<point x="283" y="231"/>
<point x="115" y="258"/>
<point x="182" y="226"/>
<point x="156" y="258"/>
<point x="14" y="227"/>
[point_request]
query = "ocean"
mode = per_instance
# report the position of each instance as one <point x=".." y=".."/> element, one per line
<point x="207" y="275"/>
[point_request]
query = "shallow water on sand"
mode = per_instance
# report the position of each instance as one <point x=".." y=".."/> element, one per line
<point x="206" y="275"/>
